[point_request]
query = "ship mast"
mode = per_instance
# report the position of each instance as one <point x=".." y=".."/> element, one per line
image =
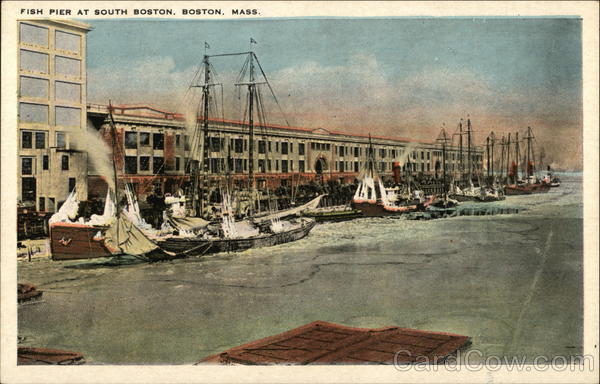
<point x="508" y="159"/>
<point x="460" y="151"/>
<point x="517" y="153"/>
<point x="114" y="145"/>
<point x="470" y="162"/>
<point x="205" y="141"/>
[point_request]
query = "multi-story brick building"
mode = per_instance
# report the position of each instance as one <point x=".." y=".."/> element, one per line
<point x="156" y="146"/>
<point x="51" y="106"/>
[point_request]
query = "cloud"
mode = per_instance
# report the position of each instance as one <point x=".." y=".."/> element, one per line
<point x="361" y="96"/>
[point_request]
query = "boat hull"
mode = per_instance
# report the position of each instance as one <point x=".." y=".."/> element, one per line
<point x="513" y="190"/>
<point x="199" y="247"/>
<point x="77" y="241"/>
<point x="377" y="209"/>
<point x="334" y="216"/>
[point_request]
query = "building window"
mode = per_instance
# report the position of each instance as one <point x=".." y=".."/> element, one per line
<point x="61" y="141"/>
<point x="239" y="166"/>
<point x="261" y="166"/>
<point x="26" y="165"/>
<point x="341" y="166"/>
<point x="422" y="155"/>
<point x="45" y="162"/>
<point x="130" y="165"/>
<point x="33" y="87"/>
<point x="144" y="163"/>
<point x="292" y="165"/>
<point x="284" y="149"/>
<point x="72" y="183"/>
<point x="64" y="162"/>
<point x="67" y="66"/>
<point x="261" y="146"/>
<point x="26" y="139"/>
<point x="158" y="165"/>
<point x="238" y="145"/>
<point x="291" y="147"/>
<point x="214" y="165"/>
<point x="42" y="204"/>
<point x="33" y="34"/>
<point x="301" y="166"/>
<point x="131" y="140"/>
<point x="67" y="91"/>
<point x="67" y="41"/>
<point x="270" y="147"/>
<point x="33" y="113"/>
<point x="158" y="141"/>
<point x="144" y="139"/>
<point x="40" y="140"/>
<point x="301" y="149"/>
<point x="215" y="144"/>
<point x="68" y="117"/>
<point x="284" y="165"/>
<point x="51" y="204"/>
<point x="33" y="61"/>
<point x="276" y="165"/>
<point x="341" y="151"/>
<point x="277" y="146"/>
<point x="28" y="187"/>
<point x="382" y="153"/>
<point x="428" y="154"/>
<point x="178" y="141"/>
<point x="177" y="163"/>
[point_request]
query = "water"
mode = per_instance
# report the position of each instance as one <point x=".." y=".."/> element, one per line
<point x="513" y="283"/>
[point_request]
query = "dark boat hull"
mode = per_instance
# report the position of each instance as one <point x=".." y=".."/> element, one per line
<point x="199" y="247"/>
<point x="513" y="190"/>
<point x="334" y="216"/>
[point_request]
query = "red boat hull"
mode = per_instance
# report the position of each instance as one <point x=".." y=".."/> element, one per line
<point x="529" y="189"/>
<point x="377" y="209"/>
<point x="77" y="241"/>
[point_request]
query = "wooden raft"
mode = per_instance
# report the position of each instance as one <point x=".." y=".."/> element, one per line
<point x="328" y="343"/>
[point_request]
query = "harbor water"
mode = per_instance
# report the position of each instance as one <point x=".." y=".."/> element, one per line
<point x="513" y="283"/>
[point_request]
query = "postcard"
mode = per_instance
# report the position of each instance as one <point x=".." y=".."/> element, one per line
<point x="299" y="192"/>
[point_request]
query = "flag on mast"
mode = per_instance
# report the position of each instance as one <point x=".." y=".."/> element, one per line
<point x="253" y="41"/>
<point x="206" y="46"/>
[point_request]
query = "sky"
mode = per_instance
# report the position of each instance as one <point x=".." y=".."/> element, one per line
<point x="400" y="77"/>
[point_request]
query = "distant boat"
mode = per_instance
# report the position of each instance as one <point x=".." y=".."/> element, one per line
<point x="531" y="184"/>
<point x="371" y="197"/>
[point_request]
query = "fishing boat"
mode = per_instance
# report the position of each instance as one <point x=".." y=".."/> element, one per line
<point x="371" y="197"/>
<point x="531" y="184"/>
<point x="228" y="234"/>
<point x="108" y="235"/>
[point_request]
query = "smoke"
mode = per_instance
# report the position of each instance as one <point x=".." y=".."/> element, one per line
<point x="99" y="153"/>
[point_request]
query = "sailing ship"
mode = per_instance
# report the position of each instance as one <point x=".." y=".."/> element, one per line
<point x="107" y="235"/>
<point x="254" y="230"/>
<point x="531" y="184"/>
